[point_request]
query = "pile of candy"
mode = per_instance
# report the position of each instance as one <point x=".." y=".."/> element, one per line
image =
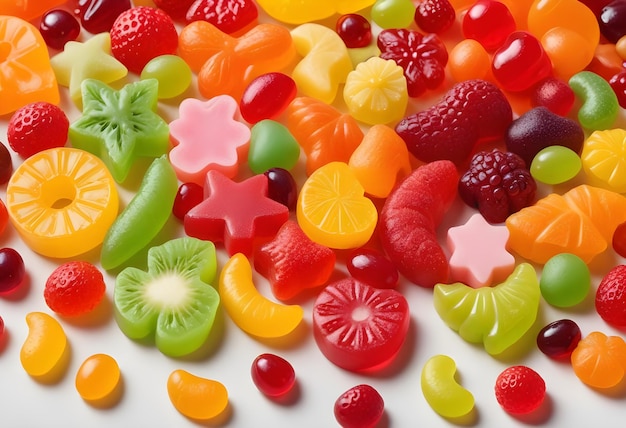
<point x="169" y="158"/>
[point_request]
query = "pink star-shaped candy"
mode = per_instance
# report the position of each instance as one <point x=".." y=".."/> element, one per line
<point x="479" y="256"/>
<point x="235" y="213"/>
<point x="207" y="137"/>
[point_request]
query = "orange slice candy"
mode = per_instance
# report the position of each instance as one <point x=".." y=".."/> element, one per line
<point x="599" y="360"/>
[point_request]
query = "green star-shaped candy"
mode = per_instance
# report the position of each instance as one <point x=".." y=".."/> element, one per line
<point x="119" y="126"/>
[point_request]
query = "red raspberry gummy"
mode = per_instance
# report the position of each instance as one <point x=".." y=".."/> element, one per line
<point x="74" y="288"/>
<point x="36" y="127"/>
<point x="434" y="16"/>
<point x="359" y="407"/>
<point x="520" y="389"/>
<point x="611" y="297"/>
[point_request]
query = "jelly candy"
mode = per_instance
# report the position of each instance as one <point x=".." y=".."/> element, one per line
<point x="310" y="10"/>
<point x="358" y="327"/>
<point x="62" y="202"/>
<point x="611" y="296"/>
<point x="554" y="94"/>
<point x="555" y="165"/>
<point x="25" y="72"/>
<point x="484" y="315"/>
<point x="57" y="27"/>
<point x="325" y="63"/>
<point x="434" y="16"/>
<point x="230" y="16"/>
<point x="324" y="133"/>
<point x="120" y="126"/>
<point x="619" y="240"/>
<point x="355" y="30"/>
<point x="97" y="16"/>
<point x="226" y="65"/>
<point x="599" y="360"/>
<point x="559" y="338"/>
<point x="520" y="390"/>
<point x="196" y="397"/>
<point x="282" y="187"/>
<point x="332" y="209"/>
<point x="581" y="222"/>
<point x="600" y="105"/>
<point x="273" y="375"/>
<point x="172" y="302"/>
<point x="380" y="161"/>
<point x="361" y="406"/>
<point x="408" y="221"/>
<point x="188" y="196"/>
<point x="235" y="213"/>
<point x="293" y="263"/>
<point x="267" y="96"/>
<point x="272" y="146"/>
<point x="89" y="60"/>
<point x="171" y="71"/>
<point x="74" y="288"/>
<point x="12" y="270"/>
<point x="45" y="352"/>
<point x="469" y="60"/>
<point x="130" y="232"/>
<point x="571" y="14"/>
<point x="372" y="268"/>
<point x="393" y="13"/>
<point x="423" y="58"/>
<point x="36" y="127"/>
<point x="442" y="392"/>
<point x="478" y="253"/>
<point x="98" y="380"/>
<point x="565" y="280"/>
<point x="568" y="51"/>
<point x="604" y="160"/>
<point x="489" y="23"/>
<point x="248" y="308"/>
<point x="606" y="61"/>
<point x="612" y="20"/>
<point x="207" y="136"/>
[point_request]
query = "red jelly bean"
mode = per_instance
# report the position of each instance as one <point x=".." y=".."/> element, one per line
<point x="372" y="268"/>
<point x="58" y="27"/>
<point x="97" y="16"/>
<point x="520" y="62"/>
<point x="559" y="338"/>
<point x="188" y="196"/>
<point x="355" y="30"/>
<point x="267" y="96"/>
<point x="6" y="164"/>
<point x="12" y="270"/>
<point x="273" y="375"/>
<point x="489" y="23"/>
<point x="282" y="187"/>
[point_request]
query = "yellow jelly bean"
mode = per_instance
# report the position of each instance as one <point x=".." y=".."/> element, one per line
<point x="249" y="309"/>
<point x="98" y="380"/>
<point x="376" y="92"/>
<point x="196" y="397"/>
<point x="604" y="159"/>
<point x="45" y="352"/>
<point x="62" y="201"/>
<point x="442" y="392"/>
<point x="325" y="63"/>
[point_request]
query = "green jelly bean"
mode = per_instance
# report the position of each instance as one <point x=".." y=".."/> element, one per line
<point x="144" y="216"/>
<point x="272" y="146"/>
<point x="393" y="13"/>
<point x="565" y="280"/>
<point x="555" y="165"/>
<point x="600" y="106"/>
<point x="172" y="73"/>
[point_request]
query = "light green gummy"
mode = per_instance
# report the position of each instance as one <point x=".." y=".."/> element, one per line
<point x="272" y="146"/>
<point x="495" y="316"/>
<point x="555" y="165"/>
<point x="565" y="280"/>
<point x="600" y="106"/>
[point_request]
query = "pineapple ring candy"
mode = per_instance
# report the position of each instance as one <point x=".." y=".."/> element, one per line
<point x="62" y="201"/>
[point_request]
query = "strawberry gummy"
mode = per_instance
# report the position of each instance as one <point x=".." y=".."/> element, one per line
<point x="520" y="390"/>
<point x="472" y="111"/>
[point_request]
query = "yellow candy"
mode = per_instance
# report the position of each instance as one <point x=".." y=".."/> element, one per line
<point x="44" y="354"/>
<point x="376" y="92"/>
<point x="196" y="397"/>
<point x="98" y="380"/>
<point x="442" y="392"/>
<point x="299" y="12"/>
<point x="604" y="159"/>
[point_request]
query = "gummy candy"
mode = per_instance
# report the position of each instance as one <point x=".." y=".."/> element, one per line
<point x="604" y="160"/>
<point x="272" y="146"/>
<point x="555" y="165"/>
<point x="310" y="10"/>
<point x="273" y="375"/>
<point x="45" y="352"/>
<point x="197" y="398"/>
<point x="98" y="380"/>
<point x="442" y="392"/>
<point x="173" y="74"/>
<point x="600" y="360"/>
<point x="565" y="280"/>
<point x="600" y="105"/>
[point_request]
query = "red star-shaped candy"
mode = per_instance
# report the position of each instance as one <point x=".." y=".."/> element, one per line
<point x="235" y="213"/>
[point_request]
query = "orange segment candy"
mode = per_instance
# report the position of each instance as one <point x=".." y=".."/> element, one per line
<point x="98" y="380"/>
<point x="26" y="75"/>
<point x="62" y="201"/>
<point x="324" y="133"/>
<point x="599" y="360"/>
<point x="226" y="64"/>
<point x="332" y="209"/>
<point x="581" y="222"/>
<point x="380" y="161"/>
<point x="44" y="354"/>
<point x="196" y="397"/>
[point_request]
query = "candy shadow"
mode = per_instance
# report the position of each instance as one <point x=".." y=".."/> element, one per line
<point x="100" y="316"/>
<point x="211" y="344"/>
<point x="219" y="420"/>
<point x="111" y="400"/>
<point x="526" y="344"/>
<point x="20" y="292"/>
<point x="289" y="398"/>
<point x="470" y="419"/>
<point x="617" y="392"/>
<point x="290" y="341"/>
<point x="539" y="416"/>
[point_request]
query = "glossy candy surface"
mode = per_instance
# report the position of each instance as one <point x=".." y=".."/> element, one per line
<point x="272" y="146"/>
<point x="604" y="159"/>
<point x="172" y="73"/>
<point x="44" y="353"/>
<point x="196" y="397"/>
<point x="489" y="23"/>
<point x="442" y="392"/>
<point x="559" y="338"/>
<point x="600" y="106"/>
<point x="98" y="379"/>
<point x="600" y="360"/>
<point x="12" y="270"/>
<point x="354" y="29"/>
<point x="361" y="406"/>
<point x="58" y="27"/>
<point x="272" y="374"/>
<point x="565" y="280"/>
<point x="267" y="96"/>
<point x="555" y="165"/>
<point x="372" y="268"/>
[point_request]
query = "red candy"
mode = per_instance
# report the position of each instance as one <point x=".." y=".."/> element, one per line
<point x="177" y="9"/>
<point x="611" y="297"/>
<point x="422" y="57"/>
<point x="58" y="27"/>
<point x="489" y="23"/>
<point x="355" y="30"/>
<point x="6" y="169"/>
<point x="273" y="375"/>
<point x="372" y="268"/>
<point x="520" y="390"/>
<point x="230" y="16"/>
<point x="619" y="240"/>
<point x="188" y="196"/>
<point x="12" y="270"/>
<point x="267" y="96"/>
<point x="282" y="187"/>
<point x="97" y="16"/>
<point x="358" y="327"/>
<point x="559" y="338"/>
<point x="553" y="94"/>
<point x="359" y="407"/>
<point x="74" y="288"/>
<point x="434" y="16"/>
<point x="36" y="127"/>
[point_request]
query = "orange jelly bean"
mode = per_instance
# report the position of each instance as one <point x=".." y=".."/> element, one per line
<point x="196" y="397"/>
<point x="44" y="354"/>
<point x="98" y="380"/>
<point x="468" y="60"/>
<point x="568" y="50"/>
<point x="226" y="64"/>
<point x="25" y="72"/>
<point x="26" y="9"/>
<point x="599" y="360"/>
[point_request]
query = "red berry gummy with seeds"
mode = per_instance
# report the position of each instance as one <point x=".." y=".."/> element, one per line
<point x="230" y="16"/>
<point x="611" y="297"/>
<point x="520" y="390"/>
<point x="37" y="126"/>
<point x="74" y="288"/>
<point x="361" y="406"/>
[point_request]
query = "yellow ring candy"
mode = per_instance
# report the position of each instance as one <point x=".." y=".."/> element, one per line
<point x="62" y="201"/>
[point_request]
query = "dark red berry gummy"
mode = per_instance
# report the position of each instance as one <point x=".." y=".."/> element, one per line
<point x="611" y="297"/>
<point x="97" y="16"/>
<point x="282" y="187"/>
<point x="498" y="184"/>
<point x="554" y="94"/>
<point x="355" y="30"/>
<point x="188" y="196"/>
<point x="373" y="268"/>
<point x="619" y="240"/>
<point x="559" y="338"/>
<point x="520" y="389"/>
<point x="58" y="27"/>
<point x="359" y="407"/>
<point x="273" y="375"/>
<point x="434" y="16"/>
<point x="12" y="270"/>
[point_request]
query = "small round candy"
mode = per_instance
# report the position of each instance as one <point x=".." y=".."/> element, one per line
<point x="172" y="72"/>
<point x="359" y="407"/>
<point x="559" y="338"/>
<point x="58" y="27"/>
<point x="619" y="240"/>
<point x="98" y="380"/>
<point x="12" y="270"/>
<point x="393" y="13"/>
<point x="489" y="23"/>
<point x="468" y="60"/>
<point x="188" y="196"/>
<point x="273" y="375"/>
<point x="373" y="268"/>
<point x="565" y="280"/>
<point x="555" y="165"/>
<point x="282" y="187"/>
<point x="355" y="30"/>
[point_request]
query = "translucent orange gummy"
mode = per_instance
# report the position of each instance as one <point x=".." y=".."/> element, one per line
<point x="27" y="9"/>
<point x="25" y="72"/>
<point x="324" y="133"/>
<point x="98" y="379"/>
<point x="44" y="354"/>
<point x="226" y="64"/>
<point x="599" y="360"/>
<point x="572" y="14"/>
<point x="196" y="397"/>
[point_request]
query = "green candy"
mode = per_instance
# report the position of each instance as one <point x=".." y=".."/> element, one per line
<point x="272" y="146"/>
<point x="172" y="72"/>
<point x="555" y="165"/>
<point x="144" y="216"/>
<point x="565" y="280"/>
<point x="393" y="13"/>
<point x="600" y="106"/>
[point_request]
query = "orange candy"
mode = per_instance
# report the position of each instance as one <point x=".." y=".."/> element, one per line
<point x="599" y="360"/>
<point x="26" y="75"/>
<point x="568" y="50"/>
<point x="98" y="380"/>
<point x="27" y="9"/>
<point x="324" y="133"/>
<point x="226" y="64"/>
<point x="196" y="397"/>
<point x="571" y="14"/>
<point x="468" y="60"/>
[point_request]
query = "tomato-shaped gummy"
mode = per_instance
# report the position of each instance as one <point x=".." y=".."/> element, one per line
<point x="273" y="375"/>
<point x="361" y="406"/>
